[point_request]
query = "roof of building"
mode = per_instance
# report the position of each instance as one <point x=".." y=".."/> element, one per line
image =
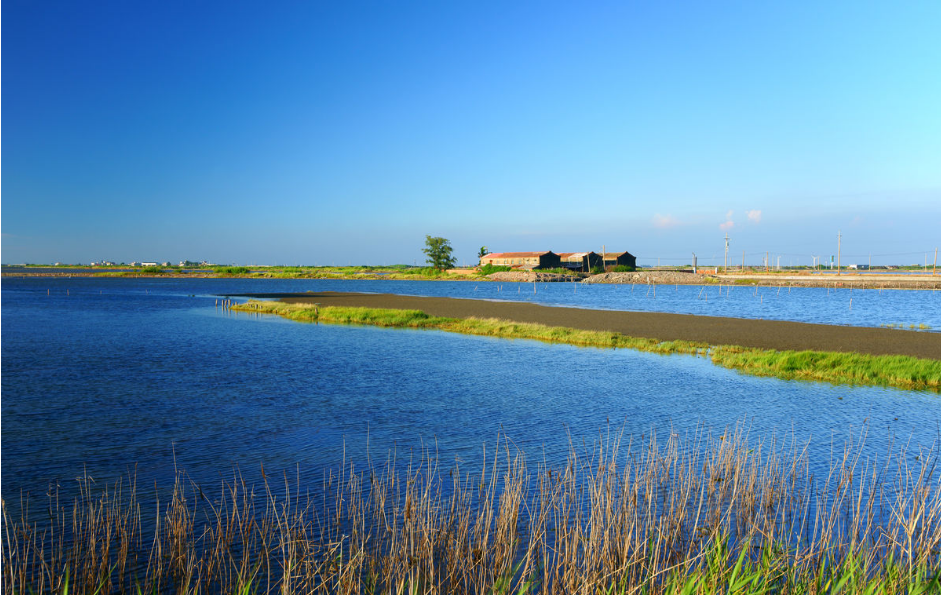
<point x="515" y="254"/>
<point x="577" y="255"/>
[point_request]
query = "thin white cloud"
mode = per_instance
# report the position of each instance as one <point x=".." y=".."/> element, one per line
<point x="754" y="216"/>
<point x="728" y="216"/>
<point x="665" y="221"/>
<point x="727" y="225"/>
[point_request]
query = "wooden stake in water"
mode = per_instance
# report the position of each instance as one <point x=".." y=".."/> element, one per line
<point x="851" y="303"/>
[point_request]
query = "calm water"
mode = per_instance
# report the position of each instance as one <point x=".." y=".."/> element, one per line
<point x="107" y="375"/>
<point x="843" y="306"/>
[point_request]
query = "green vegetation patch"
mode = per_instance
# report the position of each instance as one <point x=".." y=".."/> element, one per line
<point x="822" y="366"/>
<point x="489" y="269"/>
<point x="232" y="270"/>
<point x="489" y="327"/>
<point x="843" y="368"/>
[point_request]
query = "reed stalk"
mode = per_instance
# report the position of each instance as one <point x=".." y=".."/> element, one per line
<point x="694" y="515"/>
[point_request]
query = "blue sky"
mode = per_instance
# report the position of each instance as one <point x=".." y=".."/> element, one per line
<point x="322" y="133"/>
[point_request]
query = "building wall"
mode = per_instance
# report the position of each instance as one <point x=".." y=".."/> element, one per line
<point x="585" y="263"/>
<point x="544" y="261"/>
<point x="625" y="259"/>
<point x="550" y="260"/>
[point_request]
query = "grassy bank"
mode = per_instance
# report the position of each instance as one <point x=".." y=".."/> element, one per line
<point x="703" y="515"/>
<point x="841" y="368"/>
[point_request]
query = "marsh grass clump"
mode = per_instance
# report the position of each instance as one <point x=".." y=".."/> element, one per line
<point x="490" y="327"/>
<point x="920" y="326"/>
<point x="696" y="515"/>
<point x="845" y="368"/>
<point x="823" y="366"/>
<point x="232" y="270"/>
<point x="489" y="269"/>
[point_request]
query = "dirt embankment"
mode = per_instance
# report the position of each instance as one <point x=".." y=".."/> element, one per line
<point x="855" y="280"/>
<point x="860" y="281"/>
<point x="653" y="277"/>
<point x="530" y="276"/>
<point x="663" y="326"/>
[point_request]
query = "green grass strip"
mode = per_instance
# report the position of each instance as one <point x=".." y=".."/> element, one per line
<point x="898" y="371"/>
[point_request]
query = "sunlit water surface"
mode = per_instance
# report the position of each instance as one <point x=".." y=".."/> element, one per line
<point x="106" y="376"/>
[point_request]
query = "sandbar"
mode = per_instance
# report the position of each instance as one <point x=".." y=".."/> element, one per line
<point x="664" y="326"/>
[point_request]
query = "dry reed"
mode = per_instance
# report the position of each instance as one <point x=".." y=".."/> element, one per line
<point x="695" y="515"/>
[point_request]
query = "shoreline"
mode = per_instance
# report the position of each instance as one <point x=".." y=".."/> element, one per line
<point x="918" y="282"/>
<point x="663" y="326"/>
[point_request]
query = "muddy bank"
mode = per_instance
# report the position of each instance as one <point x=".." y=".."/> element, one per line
<point x="643" y="277"/>
<point x="764" y="334"/>
<point x="854" y="280"/>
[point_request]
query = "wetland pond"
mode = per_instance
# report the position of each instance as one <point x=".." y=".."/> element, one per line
<point x="102" y="377"/>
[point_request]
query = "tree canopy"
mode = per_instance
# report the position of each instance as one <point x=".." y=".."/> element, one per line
<point x="439" y="253"/>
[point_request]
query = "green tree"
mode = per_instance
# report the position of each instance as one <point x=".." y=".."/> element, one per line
<point x="482" y="252"/>
<point x="439" y="253"/>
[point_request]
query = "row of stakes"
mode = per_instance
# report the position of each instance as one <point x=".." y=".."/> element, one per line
<point x="227" y="304"/>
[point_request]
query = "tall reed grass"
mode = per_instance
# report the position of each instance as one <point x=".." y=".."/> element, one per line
<point x="692" y="515"/>
<point x="836" y="367"/>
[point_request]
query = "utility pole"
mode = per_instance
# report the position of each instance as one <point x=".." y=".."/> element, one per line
<point x="767" y="262"/>
<point x="743" y="261"/>
<point x="726" y="267"/>
<point x="839" y="242"/>
<point x="934" y="269"/>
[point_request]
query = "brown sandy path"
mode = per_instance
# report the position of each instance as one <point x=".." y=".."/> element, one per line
<point x="767" y="334"/>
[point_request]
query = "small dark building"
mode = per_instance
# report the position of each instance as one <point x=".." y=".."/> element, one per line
<point x="528" y="260"/>
<point x="580" y="261"/>
<point x="613" y="259"/>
